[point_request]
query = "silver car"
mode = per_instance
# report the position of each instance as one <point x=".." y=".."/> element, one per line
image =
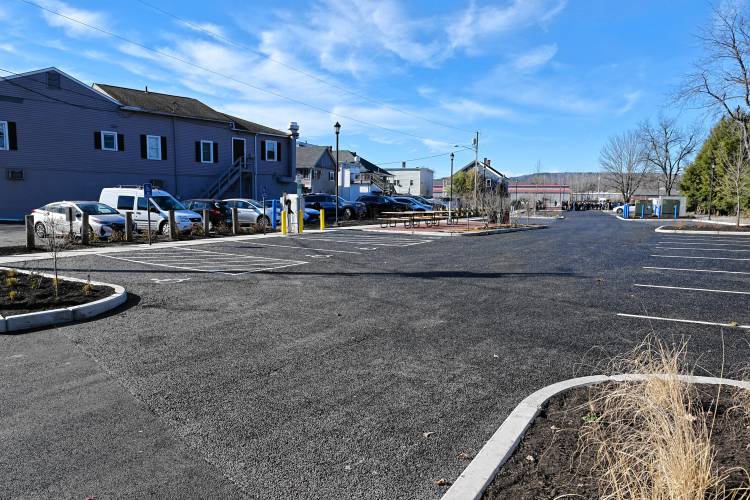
<point x="52" y="219"/>
<point x="249" y="211"/>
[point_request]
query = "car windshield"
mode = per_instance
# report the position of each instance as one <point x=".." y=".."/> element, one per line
<point x="167" y="203"/>
<point x="96" y="209"/>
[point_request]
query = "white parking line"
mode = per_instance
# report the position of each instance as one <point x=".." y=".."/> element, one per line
<point x="695" y="270"/>
<point x="704" y="243"/>
<point x="702" y="249"/>
<point x="711" y="240"/>
<point x="691" y="321"/>
<point x="697" y="257"/>
<point x="691" y="289"/>
<point x="187" y="259"/>
<point x="369" y="242"/>
<point x="307" y="249"/>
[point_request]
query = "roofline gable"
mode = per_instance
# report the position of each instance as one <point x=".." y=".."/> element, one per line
<point x="92" y="88"/>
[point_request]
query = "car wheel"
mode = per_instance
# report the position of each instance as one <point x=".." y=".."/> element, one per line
<point x="348" y="213"/>
<point x="164" y="229"/>
<point x="263" y="222"/>
<point x="40" y="230"/>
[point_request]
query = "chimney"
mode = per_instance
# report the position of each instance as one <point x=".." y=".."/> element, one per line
<point x="488" y="162"/>
<point x="403" y="164"/>
<point x="147" y="89"/>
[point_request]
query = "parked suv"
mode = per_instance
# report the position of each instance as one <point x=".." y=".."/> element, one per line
<point x="376" y="204"/>
<point x="130" y="199"/>
<point x="414" y="203"/>
<point x="347" y="209"/>
<point x="218" y="211"/>
<point x="52" y="218"/>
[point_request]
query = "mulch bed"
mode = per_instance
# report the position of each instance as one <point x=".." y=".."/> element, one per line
<point x="711" y="227"/>
<point x="36" y="293"/>
<point x="550" y="462"/>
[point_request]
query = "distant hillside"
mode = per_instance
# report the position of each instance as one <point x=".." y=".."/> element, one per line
<point x="584" y="182"/>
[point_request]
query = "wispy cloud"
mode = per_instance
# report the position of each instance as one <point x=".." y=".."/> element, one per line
<point x="631" y="98"/>
<point x="208" y="28"/>
<point x="535" y="58"/>
<point x="72" y="28"/>
<point x="476" y="23"/>
<point x="7" y="47"/>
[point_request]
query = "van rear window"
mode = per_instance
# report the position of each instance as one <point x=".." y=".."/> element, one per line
<point x="125" y="202"/>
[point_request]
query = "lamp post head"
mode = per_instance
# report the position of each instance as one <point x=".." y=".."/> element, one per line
<point x="337" y="127"/>
<point x="452" y="156"/>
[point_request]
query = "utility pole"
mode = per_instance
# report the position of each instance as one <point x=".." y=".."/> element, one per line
<point x="476" y="166"/>
<point x="337" y="128"/>
<point x="711" y="190"/>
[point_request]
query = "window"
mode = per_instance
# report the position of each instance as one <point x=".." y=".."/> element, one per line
<point x="142" y="204"/>
<point x="14" y="175"/>
<point x="153" y="147"/>
<point x="411" y="182"/>
<point x="109" y="141"/>
<point x="4" y="135"/>
<point x="331" y="176"/>
<point x="207" y="152"/>
<point x="125" y="202"/>
<point x="271" y="152"/>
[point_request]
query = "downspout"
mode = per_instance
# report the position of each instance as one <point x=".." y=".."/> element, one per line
<point x="255" y="166"/>
<point x="174" y="158"/>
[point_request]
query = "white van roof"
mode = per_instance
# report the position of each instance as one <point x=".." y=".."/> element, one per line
<point x="133" y="190"/>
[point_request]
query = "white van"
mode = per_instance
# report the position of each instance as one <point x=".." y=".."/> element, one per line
<point x="130" y="199"/>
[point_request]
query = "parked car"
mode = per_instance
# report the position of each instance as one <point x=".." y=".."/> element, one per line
<point x="621" y="209"/>
<point x="376" y="204"/>
<point x="130" y="199"/>
<point x="249" y="211"/>
<point x="347" y="209"/>
<point x="413" y="203"/>
<point x="311" y="215"/>
<point x="218" y="211"/>
<point x="52" y="218"/>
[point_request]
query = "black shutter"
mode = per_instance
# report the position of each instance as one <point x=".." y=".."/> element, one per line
<point x="278" y="150"/>
<point x="163" y="148"/>
<point x="198" y="151"/>
<point x="97" y="140"/>
<point x="120" y="142"/>
<point x="263" y="155"/>
<point x="12" y="138"/>
<point x="144" y="147"/>
<point x="216" y="152"/>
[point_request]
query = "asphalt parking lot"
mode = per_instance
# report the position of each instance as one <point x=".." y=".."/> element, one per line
<point x="344" y="364"/>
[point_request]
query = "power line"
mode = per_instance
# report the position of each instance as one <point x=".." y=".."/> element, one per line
<point x="228" y="77"/>
<point x="295" y="69"/>
<point x="413" y="159"/>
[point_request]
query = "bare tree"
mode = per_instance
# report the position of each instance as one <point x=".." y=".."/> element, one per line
<point x="623" y="161"/>
<point x="736" y="177"/>
<point x="667" y="148"/>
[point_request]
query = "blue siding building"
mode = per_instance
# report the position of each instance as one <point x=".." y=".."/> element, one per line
<point x="63" y="140"/>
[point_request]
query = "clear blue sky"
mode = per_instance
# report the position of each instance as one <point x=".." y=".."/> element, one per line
<point x="542" y="80"/>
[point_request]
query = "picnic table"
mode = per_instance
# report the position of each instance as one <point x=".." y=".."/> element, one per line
<point x="414" y="218"/>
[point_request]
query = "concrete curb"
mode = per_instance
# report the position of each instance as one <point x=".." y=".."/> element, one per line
<point x="54" y="317"/>
<point x="445" y="234"/>
<point x="482" y="470"/>
<point x="661" y="229"/>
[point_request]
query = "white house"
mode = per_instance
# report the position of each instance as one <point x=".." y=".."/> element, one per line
<point x="417" y="181"/>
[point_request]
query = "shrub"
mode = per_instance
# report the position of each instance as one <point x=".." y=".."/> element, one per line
<point x="88" y="289"/>
<point x="12" y="295"/>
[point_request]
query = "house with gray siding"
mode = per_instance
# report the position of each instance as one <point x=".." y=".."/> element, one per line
<point x="61" y="139"/>
<point x="317" y="166"/>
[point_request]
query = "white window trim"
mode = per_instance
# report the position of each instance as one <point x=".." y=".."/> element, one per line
<point x="275" y="150"/>
<point x="6" y="145"/>
<point x="210" y="151"/>
<point x="148" y="149"/>
<point x="332" y="176"/>
<point x="102" y="138"/>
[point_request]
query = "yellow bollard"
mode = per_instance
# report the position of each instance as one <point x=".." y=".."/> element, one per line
<point x="300" y="223"/>
<point x="322" y="219"/>
<point x="283" y="222"/>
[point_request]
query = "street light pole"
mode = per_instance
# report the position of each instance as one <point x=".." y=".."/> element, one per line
<point x="450" y="203"/>
<point x="711" y="191"/>
<point x="337" y="128"/>
<point x="476" y="166"/>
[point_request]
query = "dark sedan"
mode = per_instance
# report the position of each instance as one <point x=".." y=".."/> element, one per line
<point x="218" y="211"/>
<point x="376" y="204"/>
<point x="347" y="209"/>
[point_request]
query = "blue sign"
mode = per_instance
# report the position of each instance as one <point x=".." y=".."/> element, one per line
<point x="147" y="190"/>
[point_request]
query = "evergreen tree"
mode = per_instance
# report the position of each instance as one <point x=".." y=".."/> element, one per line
<point x="696" y="182"/>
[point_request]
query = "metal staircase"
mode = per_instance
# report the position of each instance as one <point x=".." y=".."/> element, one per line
<point x="228" y="179"/>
